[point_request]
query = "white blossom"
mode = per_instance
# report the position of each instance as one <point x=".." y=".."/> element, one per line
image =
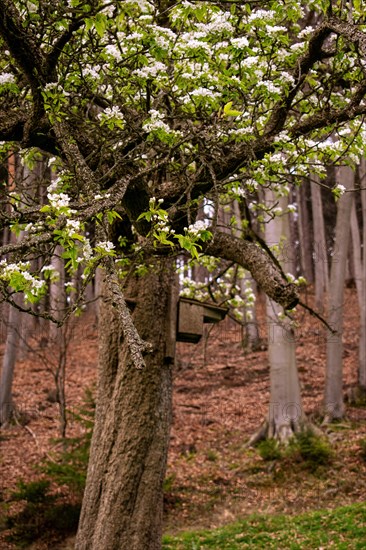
<point x="339" y="189"/>
<point x="305" y="32"/>
<point x="151" y="71"/>
<point x="272" y="88"/>
<point x="196" y="228"/>
<point x="114" y="52"/>
<point x="58" y="200"/>
<point x="263" y="15"/>
<point x="107" y="246"/>
<point x="111" y="112"/>
<point x="273" y="29"/>
<point x="49" y="267"/>
<point x="87" y="251"/>
<point x="72" y="226"/>
<point x="240" y="43"/>
<point x="6" y="78"/>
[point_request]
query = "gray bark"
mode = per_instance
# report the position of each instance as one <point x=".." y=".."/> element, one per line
<point x="333" y="401"/>
<point x="251" y="331"/>
<point x="8" y="366"/>
<point x="286" y="415"/>
<point x="362" y="290"/>
<point x="320" y="253"/>
<point x="305" y="232"/>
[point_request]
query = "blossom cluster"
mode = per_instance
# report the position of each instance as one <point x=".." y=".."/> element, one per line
<point x="198" y="227"/>
<point x="18" y="277"/>
<point x="6" y="78"/>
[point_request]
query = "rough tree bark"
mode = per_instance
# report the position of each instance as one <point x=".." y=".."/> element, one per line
<point x="333" y="399"/>
<point x="122" y="506"/>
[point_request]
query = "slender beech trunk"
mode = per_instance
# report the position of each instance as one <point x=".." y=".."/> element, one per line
<point x="305" y="232"/>
<point x="362" y="300"/>
<point x="356" y="256"/>
<point x="8" y="366"/>
<point x="333" y="401"/>
<point x="320" y="253"/>
<point x="122" y="506"/>
<point x="286" y="415"/>
<point x="251" y="340"/>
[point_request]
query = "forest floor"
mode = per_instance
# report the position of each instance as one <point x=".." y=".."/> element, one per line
<point x="221" y="396"/>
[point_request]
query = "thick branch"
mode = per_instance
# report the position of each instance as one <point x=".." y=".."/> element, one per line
<point x="25" y="245"/>
<point x="278" y="118"/>
<point x="20" y="43"/>
<point x="54" y="55"/>
<point x="253" y="258"/>
<point x="327" y="118"/>
<point x="349" y="31"/>
<point x="85" y="176"/>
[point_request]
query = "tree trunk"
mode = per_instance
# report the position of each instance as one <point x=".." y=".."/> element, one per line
<point x="251" y="339"/>
<point x="122" y="506"/>
<point x="286" y="415"/>
<point x="320" y="252"/>
<point x="9" y="361"/>
<point x="356" y="256"/>
<point x="362" y="301"/>
<point x="305" y="232"/>
<point x="334" y="407"/>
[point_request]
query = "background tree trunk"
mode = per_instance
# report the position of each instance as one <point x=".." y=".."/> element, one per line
<point x="286" y="415"/>
<point x="333" y="401"/>
<point x="9" y="361"/>
<point x="320" y="253"/>
<point x="361" y="288"/>
<point x="251" y="339"/>
<point x="305" y="231"/>
<point x="122" y="506"/>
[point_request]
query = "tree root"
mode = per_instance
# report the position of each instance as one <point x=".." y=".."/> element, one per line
<point x="284" y="433"/>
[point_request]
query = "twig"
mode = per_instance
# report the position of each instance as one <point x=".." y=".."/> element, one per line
<point x="318" y="316"/>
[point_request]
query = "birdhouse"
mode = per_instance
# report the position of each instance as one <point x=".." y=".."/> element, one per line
<point x="192" y="314"/>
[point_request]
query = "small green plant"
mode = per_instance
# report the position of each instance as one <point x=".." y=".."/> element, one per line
<point x="212" y="456"/>
<point x="35" y="492"/>
<point x="311" y="449"/>
<point x="43" y="517"/>
<point x="269" y="449"/>
<point x="48" y="516"/>
<point x="168" y="483"/>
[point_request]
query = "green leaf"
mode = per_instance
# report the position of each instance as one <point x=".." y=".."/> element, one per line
<point x="145" y="216"/>
<point x="113" y="215"/>
<point x="100" y="24"/>
<point x="228" y="111"/>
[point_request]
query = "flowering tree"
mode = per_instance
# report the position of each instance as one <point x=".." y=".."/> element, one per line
<point x="142" y="109"/>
